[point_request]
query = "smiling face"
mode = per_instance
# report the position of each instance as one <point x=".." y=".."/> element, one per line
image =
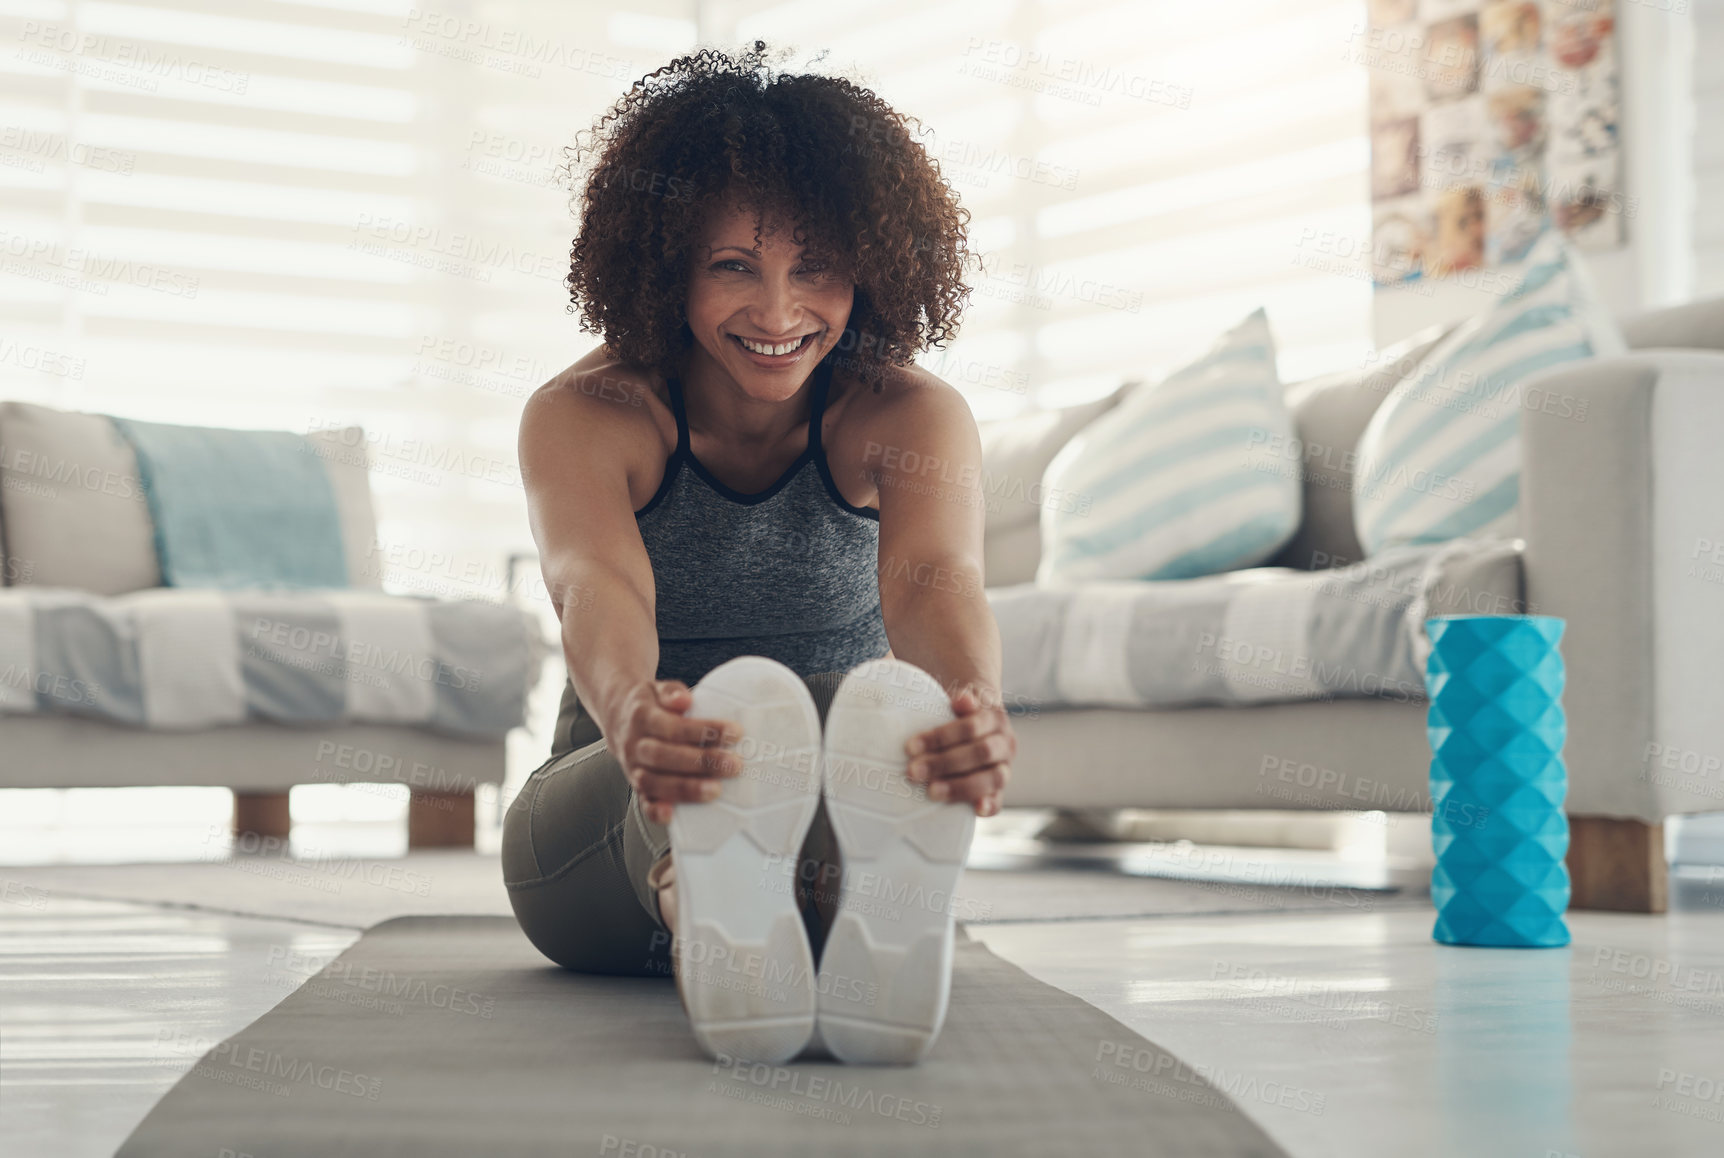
<point x="763" y="310"/>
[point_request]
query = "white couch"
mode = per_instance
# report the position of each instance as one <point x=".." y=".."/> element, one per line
<point x="73" y="516"/>
<point x="1622" y="517"/>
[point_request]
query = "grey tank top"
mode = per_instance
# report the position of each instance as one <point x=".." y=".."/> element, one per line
<point x="788" y="572"/>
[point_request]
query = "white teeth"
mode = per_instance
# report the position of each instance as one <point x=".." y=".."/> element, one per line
<point x="769" y="348"/>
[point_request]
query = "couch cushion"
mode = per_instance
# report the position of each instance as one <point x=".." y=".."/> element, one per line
<point x="1340" y="754"/>
<point x="1329" y="415"/>
<point x="77" y="752"/>
<point x="1440" y="458"/>
<point x="346" y="458"/>
<point x="190" y="658"/>
<point x="1015" y="454"/>
<point x="1247" y="637"/>
<point x="75" y="514"/>
<point x="238" y="508"/>
<point x="1010" y="555"/>
<point x="1179" y="479"/>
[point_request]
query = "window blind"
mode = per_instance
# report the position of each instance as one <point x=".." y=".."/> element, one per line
<point x="296" y="214"/>
<point x="1141" y="176"/>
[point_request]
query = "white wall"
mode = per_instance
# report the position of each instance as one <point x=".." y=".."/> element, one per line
<point x="1708" y="80"/>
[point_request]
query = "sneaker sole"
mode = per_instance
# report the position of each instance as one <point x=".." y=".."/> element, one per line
<point x="886" y="971"/>
<point x="744" y="965"/>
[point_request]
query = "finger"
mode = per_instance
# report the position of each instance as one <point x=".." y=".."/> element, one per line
<point x="988" y="805"/>
<point x="672" y="694"/>
<point x="969" y="788"/>
<point x="993" y="748"/>
<point x="976" y="700"/>
<point x="685" y="759"/>
<point x="954" y="732"/>
<point x="698" y="731"/>
<point x="657" y="812"/>
<point x="659" y="787"/>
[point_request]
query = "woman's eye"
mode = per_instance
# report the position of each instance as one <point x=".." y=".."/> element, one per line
<point x="814" y="267"/>
<point x="732" y="266"/>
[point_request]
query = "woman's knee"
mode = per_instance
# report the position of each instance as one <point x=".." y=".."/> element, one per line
<point x="590" y="923"/>
<point x="520" y="861"/>
<point x="567" y="808"/>
<point x="568" y="877"/>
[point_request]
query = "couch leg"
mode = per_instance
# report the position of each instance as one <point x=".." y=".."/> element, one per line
<point x="261" y="814"/>
<point x="1617" y="864"/>
<point x="440" y="819"/>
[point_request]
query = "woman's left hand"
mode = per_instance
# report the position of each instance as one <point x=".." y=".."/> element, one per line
<point x="968" y="759"/>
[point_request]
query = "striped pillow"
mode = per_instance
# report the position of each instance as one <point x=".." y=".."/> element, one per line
<point x="1440" y="459"/>
<point x="1183" y="478"/>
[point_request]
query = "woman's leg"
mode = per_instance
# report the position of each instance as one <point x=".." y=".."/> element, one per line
<point x="571" y="866"/>
<point x="577" y="851"/>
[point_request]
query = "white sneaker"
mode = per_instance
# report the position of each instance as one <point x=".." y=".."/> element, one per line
<point x="743" y="962"/>
<point x="886" y="970"/>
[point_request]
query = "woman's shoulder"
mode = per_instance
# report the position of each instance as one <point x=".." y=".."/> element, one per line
<point x="601" y="378"/>
<point x="603" y="396"/>
<point x="902" y="399"/>
<point x="613" y="417"/>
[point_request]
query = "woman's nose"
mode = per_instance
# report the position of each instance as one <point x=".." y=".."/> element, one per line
<point x="778" y="310"/>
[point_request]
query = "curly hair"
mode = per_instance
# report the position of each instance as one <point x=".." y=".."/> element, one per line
<point x="830" y="156"/>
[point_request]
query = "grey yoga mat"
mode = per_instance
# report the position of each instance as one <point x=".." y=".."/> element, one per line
<point x="452" y="1036"/>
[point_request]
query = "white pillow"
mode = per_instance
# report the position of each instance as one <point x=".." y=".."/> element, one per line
<point x="1182" y="479"/>
<point x="1440" y="459"/>
<point x="75" y="513"/>
<point x="346" y="459"/>
<point x="75" y="509"/>
<point x="1015" y="454"/>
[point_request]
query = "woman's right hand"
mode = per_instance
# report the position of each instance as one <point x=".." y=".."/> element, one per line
<point x="668" y="757"/>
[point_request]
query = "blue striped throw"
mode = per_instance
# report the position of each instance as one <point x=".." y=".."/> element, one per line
<point x="238" y="508"/>
<point x="1187" y="477"/>
<point x="1440" y="459"/>
<point x="191" y="658"/>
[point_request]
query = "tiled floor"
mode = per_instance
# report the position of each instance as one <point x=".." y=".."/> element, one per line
<point x="106" y="1005"/>
<point x="1354" y="1035"/>
<point x="1344" y="1032"/>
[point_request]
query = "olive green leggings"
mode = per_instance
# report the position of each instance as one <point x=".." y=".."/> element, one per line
<point x="577" y="848"/>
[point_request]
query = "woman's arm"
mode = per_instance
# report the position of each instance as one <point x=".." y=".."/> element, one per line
<point x="578" y="447"/>
<point x="925" y="456"/>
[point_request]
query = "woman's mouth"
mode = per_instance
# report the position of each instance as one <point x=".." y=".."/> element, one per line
<point x="772" y="355"/>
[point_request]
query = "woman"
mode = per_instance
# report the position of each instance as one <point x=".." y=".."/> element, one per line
<point x="745" y="493"/>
